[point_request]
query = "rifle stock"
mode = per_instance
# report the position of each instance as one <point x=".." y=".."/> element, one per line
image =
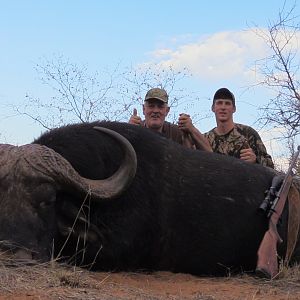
<point x="267" y="263"/>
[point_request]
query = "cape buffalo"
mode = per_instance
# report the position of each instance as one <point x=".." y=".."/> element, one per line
<point x="166" y="208"/>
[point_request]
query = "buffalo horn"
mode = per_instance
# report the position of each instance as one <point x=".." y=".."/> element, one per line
<point x="54" y="165"/>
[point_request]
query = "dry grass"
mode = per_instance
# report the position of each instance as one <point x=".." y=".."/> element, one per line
<point x="56" y="281"/>
<point x="45" y="277"/>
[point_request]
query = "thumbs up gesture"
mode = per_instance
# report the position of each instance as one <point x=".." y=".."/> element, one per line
<point x="135" y="119"/>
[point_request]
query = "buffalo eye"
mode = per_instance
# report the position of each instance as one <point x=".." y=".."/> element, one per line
<point x="48" y="203"/>
<point x="44" y="196"/>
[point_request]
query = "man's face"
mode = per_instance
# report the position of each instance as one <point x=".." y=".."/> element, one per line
<point x="155" y="112"/>
<point x="223" y="109"/>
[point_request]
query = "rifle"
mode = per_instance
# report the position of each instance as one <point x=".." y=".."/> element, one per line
<point x="267" y="264"/>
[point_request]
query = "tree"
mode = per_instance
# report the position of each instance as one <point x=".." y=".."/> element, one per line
<point x="137" y="81"/>
<point x="280" y="73"/>
<point x="77" y="96"/>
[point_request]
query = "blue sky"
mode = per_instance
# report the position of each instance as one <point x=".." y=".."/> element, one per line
<point x="210" y="37"/>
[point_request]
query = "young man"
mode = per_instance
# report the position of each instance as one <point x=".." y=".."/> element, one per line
<point x="234" y="139"/>
<point x="156" y="109"/>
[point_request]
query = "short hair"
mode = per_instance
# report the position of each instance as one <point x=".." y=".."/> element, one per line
<point x="224" y="93"/>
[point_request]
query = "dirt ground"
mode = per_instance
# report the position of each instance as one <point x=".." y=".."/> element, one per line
<point x="47" y="283"/>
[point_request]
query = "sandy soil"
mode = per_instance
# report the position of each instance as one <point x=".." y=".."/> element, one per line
<point x="60" y="283"/>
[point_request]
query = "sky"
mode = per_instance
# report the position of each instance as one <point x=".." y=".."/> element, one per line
<point x="213" y="39"/>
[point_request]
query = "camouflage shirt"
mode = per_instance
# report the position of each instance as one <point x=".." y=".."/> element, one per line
<point x="240" y="137"/>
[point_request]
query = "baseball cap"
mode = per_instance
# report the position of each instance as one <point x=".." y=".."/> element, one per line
<point x="224" y="93"/>
<point x="157" y="93"/>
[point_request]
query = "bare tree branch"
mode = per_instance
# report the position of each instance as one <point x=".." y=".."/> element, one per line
<point x="280" y="72"/>
<point x="79" y="97"/>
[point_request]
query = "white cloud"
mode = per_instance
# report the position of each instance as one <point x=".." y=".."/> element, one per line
<point x="221" y="55"/>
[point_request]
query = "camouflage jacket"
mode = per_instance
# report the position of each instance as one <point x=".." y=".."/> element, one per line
<point x="240" y="137"/>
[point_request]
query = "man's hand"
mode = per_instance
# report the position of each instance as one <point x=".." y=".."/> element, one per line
<point x="248" y="155"/>
<point x="185" y="123"/>
<point x="193" y="137"/>
<point x="135" y="119"/>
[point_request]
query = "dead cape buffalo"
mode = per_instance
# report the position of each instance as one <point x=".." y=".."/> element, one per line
<point x="165" y="208"/>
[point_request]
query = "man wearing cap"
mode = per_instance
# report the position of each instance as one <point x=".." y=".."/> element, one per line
<point x="155" y="110"/>
<point x="234" y="139"/>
